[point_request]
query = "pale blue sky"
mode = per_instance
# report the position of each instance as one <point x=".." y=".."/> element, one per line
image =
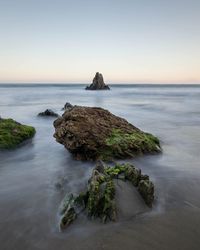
<point x="128" y="41"/>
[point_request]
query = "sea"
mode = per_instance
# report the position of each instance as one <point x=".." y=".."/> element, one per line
<point x="35" y="177"/>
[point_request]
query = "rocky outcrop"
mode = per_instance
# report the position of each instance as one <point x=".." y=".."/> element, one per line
<point x="98" y="83"/>
<point x="13" y="133"/>
<point x="98" y="201"/>
<point x="48" y="112"/>
<point x="94" y="133"/>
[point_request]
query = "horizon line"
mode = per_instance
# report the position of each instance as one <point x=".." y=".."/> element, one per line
<point x="112" y="83"/>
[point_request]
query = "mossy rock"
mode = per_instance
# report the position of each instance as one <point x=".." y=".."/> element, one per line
<point x="95" y="133"/>
<point x="99" y="199"/>
<point x="13" y="133"/>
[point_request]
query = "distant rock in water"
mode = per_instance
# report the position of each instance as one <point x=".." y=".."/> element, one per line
<point x="67" y="106"/>
<point x="48" y="112"/>
<point x="98" y="83"/>
<point x="94" y="133"/>
<point x="13" y="133"/>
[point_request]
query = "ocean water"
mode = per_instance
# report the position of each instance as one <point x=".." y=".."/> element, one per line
<point x="29" y="199"/>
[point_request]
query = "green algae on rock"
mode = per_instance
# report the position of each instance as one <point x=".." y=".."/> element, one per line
<point x="99" y="199"/>
<point x="129" y="172"/>
<point x="121" y="145"/>
<point x="95" y="133"/>
<point x="101" y="193"/>
<point x="13" y="133"/>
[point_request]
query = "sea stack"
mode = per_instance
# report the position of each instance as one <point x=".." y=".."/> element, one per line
<point x="98" y="83"/>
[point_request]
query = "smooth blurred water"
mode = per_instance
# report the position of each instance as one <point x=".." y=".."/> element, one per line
<point x="29" y="199"/>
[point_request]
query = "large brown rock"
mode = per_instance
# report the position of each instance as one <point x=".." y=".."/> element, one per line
<point x="98" y="83"/>
<point x="94" y="133"/>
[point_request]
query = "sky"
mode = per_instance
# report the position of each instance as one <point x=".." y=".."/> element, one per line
<point x="128" y="41"/>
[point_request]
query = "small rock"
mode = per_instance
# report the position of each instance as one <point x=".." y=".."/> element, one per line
<point x="67" y="210"/>
<point x="48" y="112"/>
<point x="67" y="106"/>
<point x="66" y="202"/>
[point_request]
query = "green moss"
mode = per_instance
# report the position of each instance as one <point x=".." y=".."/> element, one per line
<point x="113" y="172"/>
<point x="13" y="133"/>
<point x="109" y="207"/>
<point x="121" y="145"/>
<point x="132" y="174"/>
<point x="127" y="171"/>
<point x="93" y="199"/>
<point x="101" y="192"/>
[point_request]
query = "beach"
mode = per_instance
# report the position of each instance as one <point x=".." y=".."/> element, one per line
<point x="29" y="199"/>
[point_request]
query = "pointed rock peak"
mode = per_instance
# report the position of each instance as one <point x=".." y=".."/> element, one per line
<point x="98" y="83"/>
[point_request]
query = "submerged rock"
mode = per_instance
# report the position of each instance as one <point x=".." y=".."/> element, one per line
<point x="13" y="133"/>
<point x="98" y="83"/>
<point x="99" y="199"/>
<point x="94" y="133"/>
<point x="48" y="112"/>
